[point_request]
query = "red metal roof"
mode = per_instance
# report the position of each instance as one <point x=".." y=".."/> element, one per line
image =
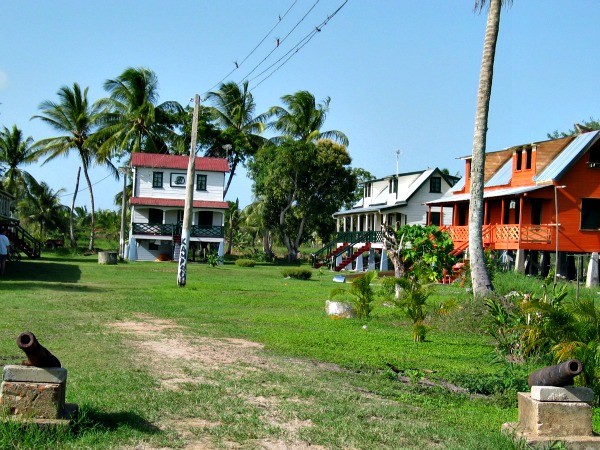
<point x="147" y="201"/>
<point x="178" y="162"/>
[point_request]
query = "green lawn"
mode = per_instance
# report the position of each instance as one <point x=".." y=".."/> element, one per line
<point x="313" y="381"/>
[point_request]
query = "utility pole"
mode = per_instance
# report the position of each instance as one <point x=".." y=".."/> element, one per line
<point x="189" y="200"/>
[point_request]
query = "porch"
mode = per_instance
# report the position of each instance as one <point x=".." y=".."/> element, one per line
<point x="146" y="230"/>
<point x="506" y="236"/>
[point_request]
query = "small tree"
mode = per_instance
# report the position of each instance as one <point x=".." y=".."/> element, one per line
<point x="362" y="293"/>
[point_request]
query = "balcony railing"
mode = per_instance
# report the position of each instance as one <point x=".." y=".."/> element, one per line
<point x="505" y="236"/>
<point x="173" y="229"/>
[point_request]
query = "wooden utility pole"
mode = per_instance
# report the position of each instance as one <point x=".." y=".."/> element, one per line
<point x="189" y="200"/>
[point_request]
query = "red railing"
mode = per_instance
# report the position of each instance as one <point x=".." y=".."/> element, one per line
<point x="504" y="236"/>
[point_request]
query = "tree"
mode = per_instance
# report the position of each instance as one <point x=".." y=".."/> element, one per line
<point x="233" y="111"/>
<point x="303" y="119"/>
<point x="578" y="128"/>
<point x="78" y="120"/>
<point x="481" y="281"/>
<point x="362" y="176"/>
<point x="42" y="206"/>
<point x="131" y="121"/>
<point x="16" y="151"/>
<point x="300" y="183"/>
<point x="233" y="218"/>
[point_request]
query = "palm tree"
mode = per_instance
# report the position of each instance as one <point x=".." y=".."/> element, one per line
<point x="304" y="118"/>
<point x="15" y="152"/>
<point x="78" y="120"/>
<point x="42" y="206"/>
<point x="233" y="111"/>
<point x="131" y="120"/>
<point x="482" y="283"/>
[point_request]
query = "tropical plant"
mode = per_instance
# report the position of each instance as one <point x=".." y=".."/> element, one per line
<point x="586" y="125"/>
<point x="233" y="111"/>
<point x="41" y="207"/>
<point x="131" y="120"/>
<point x="482" y="284"/>
<point x="232" y="223"/>
<point x="213" y="259"/>
<point x="303" y="119"/>
<point x="78" y="120"/>
<point x="16" y="151"/>
<point x="362" y="293"/>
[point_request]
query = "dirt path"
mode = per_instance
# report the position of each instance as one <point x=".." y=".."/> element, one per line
<point x="176" y="360"/>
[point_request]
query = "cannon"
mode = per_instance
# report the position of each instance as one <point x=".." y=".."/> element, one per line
<point x="559" y="376"/>
<point x="37" y="354"/>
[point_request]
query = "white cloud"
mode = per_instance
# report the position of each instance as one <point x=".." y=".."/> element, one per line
<point x="3" y="80"/>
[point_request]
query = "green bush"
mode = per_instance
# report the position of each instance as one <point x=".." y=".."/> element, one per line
<point x="243" y="262"/>
<point x="298" y="273"/>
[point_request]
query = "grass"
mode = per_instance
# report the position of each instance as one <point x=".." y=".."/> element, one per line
<point x="295" y="394"/>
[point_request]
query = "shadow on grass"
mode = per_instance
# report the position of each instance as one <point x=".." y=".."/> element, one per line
<point x="91" y="419"/>
<point x="41" y="271"/>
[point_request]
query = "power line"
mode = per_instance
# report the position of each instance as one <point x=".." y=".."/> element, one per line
<point x="298" y="47"/>
<point x="237" y="66"/>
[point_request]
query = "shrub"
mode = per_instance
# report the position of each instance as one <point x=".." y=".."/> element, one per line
<point x="243" y="262"/>
<point x="297" y="273"/>
<point x="213" y="259"/>
<point x="362" y="293"/>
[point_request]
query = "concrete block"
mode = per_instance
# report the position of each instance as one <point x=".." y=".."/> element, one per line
<point x="556" y="419"/>
<point x="39" y="400"/>
<point x="562" y="394"/>
<point x="570" y="442"/>
<point x="34" y="374"/>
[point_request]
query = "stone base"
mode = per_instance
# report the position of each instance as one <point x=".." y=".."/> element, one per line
<point x="554" y="419"/>
<point x="571" y="442"/>
<point x="64" y="420"/>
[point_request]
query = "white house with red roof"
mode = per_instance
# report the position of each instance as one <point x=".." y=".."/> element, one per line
<point x="158" y="200"/>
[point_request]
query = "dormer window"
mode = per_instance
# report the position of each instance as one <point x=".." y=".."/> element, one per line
<point x="594" y="160"/>
<point x="519" y="160"/>
<point x="393" y="186"/>
<point x="367" y="189"/>
<point x="528" y="158"/>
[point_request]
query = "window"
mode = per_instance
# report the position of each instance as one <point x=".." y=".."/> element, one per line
<point x="435" y="184"/>
<point x="528" y="158"/>
<point x="594" y="160"/>
<point x="157" y="179"/>
<point x="367" y="189"/>
<point x="200" y="182"/>
<point x="393" y="185"/>
<point x="519" y="159"/>
<point x="590" y="213"/>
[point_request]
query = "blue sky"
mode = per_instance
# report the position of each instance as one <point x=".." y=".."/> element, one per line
<point x="402" y="75"/>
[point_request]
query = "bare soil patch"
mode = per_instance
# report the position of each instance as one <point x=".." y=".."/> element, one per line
<point x="176" y="360"/>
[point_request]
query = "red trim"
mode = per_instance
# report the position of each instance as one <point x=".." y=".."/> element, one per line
<point x="147" y="201"/>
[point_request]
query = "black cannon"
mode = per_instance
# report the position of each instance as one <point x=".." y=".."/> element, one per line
<point x="559" y="375"/>
<point x="37" y="354"/>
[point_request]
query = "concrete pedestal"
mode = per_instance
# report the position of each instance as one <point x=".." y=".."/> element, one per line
<point x="35" y="394"/>
<point x="550" y="414"/>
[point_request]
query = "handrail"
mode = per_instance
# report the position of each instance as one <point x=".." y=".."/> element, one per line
<point x="35" y="246"/>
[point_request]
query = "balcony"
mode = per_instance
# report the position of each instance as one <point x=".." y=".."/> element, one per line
<point x="174" y="229"/>
<point x="506" y="237"/>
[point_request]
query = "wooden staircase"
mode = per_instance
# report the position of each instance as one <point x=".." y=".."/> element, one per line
<point x="22" y="241"/>
<point x="353" y="256"/>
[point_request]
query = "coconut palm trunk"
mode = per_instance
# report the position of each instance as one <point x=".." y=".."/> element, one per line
<point x="482" y="284"/>
<point x="71" y="229"/>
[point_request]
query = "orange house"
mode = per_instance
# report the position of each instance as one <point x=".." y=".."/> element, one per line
<point x="539" y="198"/>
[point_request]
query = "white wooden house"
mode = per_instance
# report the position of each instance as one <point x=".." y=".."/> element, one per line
<point x="394" y="200"/>
<point x="398" y="200"/>
<point x="158" y="200"/>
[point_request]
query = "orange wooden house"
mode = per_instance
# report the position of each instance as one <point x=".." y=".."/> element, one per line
<point x="539" y="199"/>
